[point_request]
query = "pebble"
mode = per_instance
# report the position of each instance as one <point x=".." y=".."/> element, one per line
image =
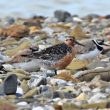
<point x="19" y="91"/>
<point x="107" y="90"/>
<point x="61" y="15"/>
<point x="4" y="58"/>
<point x="48" y="30"/>
<point x="1" y="89"/>
<point x="49" y="107"/>
<point x="96" y="90"/>
<point x="8" y="67"/>
<point x="46" y="91"/>
<point x="10" y="84"/>
<point x="97" y="97"/>
<point x="22" y="104"/>
<point x="81" y="97"/>
<point x="97" y="64"/>
<point x="50" y="20"/>
<point x="58" y="82"/>
<point x="77" y="19"/>
<point x="10" y="21"/>
<point x="37" y="81"/>
<point x="25" y="66"/>
<point x="56" y="94"/>
<point x="38" y="108"/>
<point x="85" y="89"/>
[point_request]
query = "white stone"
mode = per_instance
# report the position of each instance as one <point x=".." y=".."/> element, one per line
<point x="107" y="90"/>
<point x="97" y="97"/>
<point x="22" y="104"/>
<point x="48" y="107"/>
<point x="58" y="81"/>
<point x="96" y="90"/>
<point x="19" y="90"/>
<point x="56" y="99"/>
<point x="38" y="108"/>
<point x="77" y="19"/>
<point x="8" y="66"/>
<point x="50" y="20"/>
<point x="4" y="58"/>
<point x="85" y="89"/>
<point x="48" y="30"/>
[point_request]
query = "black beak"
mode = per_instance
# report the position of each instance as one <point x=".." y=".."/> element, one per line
<point x="79" y="43"/>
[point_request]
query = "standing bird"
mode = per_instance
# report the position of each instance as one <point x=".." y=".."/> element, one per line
<point x="55" y="57"/>
<point x="92" y="51"/>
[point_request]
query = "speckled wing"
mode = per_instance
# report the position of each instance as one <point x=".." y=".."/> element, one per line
<point x="53" y="53"/>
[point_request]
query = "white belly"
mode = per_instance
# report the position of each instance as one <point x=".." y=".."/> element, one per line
<point x="90" y="55"/>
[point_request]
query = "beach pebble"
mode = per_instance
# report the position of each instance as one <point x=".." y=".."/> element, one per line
<point x="82" y="96"/>
<point x="22" y="104"/>
<point x="8" y="67"/>
<point x="61" y="15"/>
<point x="1" y="89"/>
<point x="46" y="91"/>
<point x="4" y="58"/>
<point x="10" y="84"/>
<point x="85" y="89"/>
<point x="48" y="30"/>
<point x="97" y="64"/>
<point x="19" y="91"/>
<point x="107" y="90"/>
<point x="9" y="21"/>
<point x="97" y="97"/>
<point x="38" y="108"/>
<point x="50" y="20"/>
<point x="56" y="94"/>
<point x="37" y="81"/>
<point x="77" y="19"/>
<point x="49" y="107"/>
<point x="58" y="82"/>
<point x="96" y="90"/>
<point x="27" y="66"/>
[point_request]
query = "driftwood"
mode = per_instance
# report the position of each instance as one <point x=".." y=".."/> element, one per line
<point x="88" y="75"/>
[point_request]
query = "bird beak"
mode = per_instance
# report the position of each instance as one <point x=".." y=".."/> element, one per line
<point x="79" y="43"/>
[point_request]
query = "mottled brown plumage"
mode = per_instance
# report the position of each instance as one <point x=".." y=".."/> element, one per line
<point x="58" y="56"/>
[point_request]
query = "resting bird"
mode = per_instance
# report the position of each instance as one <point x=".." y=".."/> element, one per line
<point x="92" y="49"/>
<point x="55" y="57"/>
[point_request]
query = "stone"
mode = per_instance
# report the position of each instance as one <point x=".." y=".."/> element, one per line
<point x="61" y="15"/>
<point x="10" y="84"/>
<point x="37" y="81"/>
<point x="97" y="97"/>
<point x="82" y="96"/>
<point x="22" y="104"/>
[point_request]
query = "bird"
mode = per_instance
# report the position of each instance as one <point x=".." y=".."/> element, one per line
<point x="57" y="56"/>
<point x="92" y="49"/>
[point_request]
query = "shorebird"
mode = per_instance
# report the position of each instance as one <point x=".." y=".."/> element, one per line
<point x="56" y="57"/>
<point x="92" y="49"/>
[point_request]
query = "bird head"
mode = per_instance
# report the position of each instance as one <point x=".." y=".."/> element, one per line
<point x="100" y="44"/>
<point x="72" y="41"/>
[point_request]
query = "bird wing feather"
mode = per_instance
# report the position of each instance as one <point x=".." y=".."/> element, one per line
<point x="53" y="53"/>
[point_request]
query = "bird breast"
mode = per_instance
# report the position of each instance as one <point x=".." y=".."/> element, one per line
<point x="65" y="61"/>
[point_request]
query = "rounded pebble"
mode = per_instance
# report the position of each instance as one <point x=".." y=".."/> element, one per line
<point x="10" y="84"/>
